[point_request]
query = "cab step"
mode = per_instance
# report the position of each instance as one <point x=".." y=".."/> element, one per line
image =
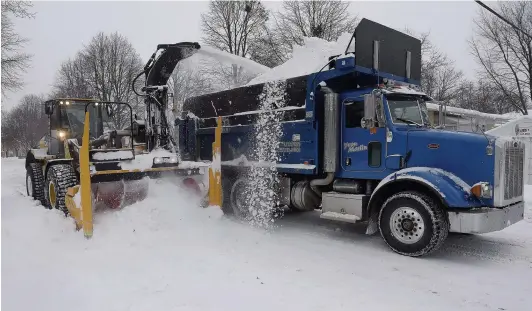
<point x="340" y="217"/>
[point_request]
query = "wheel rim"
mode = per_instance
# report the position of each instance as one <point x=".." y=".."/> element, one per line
<point x="29" y="185"/>
<point x="52" y="194"/>
<point x="407" y="225"/>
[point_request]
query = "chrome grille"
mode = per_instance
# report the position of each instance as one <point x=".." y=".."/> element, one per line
<point x="513" y="169"/>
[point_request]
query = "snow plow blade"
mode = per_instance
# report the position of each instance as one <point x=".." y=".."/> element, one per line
<point x="82" y="210"/>
<point x="215" y="171"/>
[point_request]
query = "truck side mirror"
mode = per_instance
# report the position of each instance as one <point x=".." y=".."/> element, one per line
<point x="370" y="106"/>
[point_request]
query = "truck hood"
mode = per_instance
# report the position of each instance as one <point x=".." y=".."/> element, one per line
<point x="461" y="153"/>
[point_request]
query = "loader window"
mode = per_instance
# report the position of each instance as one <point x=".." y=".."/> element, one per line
<point x="354" y="112"/>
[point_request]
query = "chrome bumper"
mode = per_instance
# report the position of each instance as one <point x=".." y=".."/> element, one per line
<point x="486" y="220"/>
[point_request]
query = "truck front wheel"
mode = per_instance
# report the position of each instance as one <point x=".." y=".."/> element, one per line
<point x="413" y="224"/>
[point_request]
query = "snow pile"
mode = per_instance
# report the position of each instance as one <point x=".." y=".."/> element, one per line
<point x="261" y="194"/>
<point x="306" y="59"/>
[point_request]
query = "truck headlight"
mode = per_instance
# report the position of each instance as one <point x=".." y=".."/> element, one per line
<point x="482" y="190"/>
<point x="157" y="160"/>
<point x="61" y="134"/>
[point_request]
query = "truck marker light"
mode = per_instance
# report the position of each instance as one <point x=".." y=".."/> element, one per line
<point x="434" y="146"/>
<point x="481" y="190"/>
<point x="489" y="150"/>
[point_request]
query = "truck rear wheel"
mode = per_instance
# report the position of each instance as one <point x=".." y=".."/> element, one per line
<point x="35" y="182"/>
<point x="59" y="178"/>
<point x="413" y="224"/>
<point x="237" y="198"/>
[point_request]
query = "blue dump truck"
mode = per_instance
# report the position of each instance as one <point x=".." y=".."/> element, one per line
<point x="358" y="145"/>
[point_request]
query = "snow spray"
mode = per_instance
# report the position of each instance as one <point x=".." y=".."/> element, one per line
<point x="261" y="193"/>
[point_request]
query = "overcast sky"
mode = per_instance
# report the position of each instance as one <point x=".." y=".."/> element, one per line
<point x="61" y="28"/>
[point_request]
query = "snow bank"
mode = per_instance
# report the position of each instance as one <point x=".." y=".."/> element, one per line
<point x="306" y="59"/>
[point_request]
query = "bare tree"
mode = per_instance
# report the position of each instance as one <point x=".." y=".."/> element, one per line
<point x="233" y="27"/>
<point x="321" y="19"/>
<point x="505" y="53"/>
<point x="104" y="69"/>
<point x="14" y="62"/>
<point x="24" y="125"/>
<point x="187" y="82"/>
<point x="267" y="50"/>
<point x="72" y="79"/>
<point x="482" y="96"/>
<point x="439" y="78"/>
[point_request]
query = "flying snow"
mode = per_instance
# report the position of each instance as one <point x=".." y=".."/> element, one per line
<point x="260" y="193"/>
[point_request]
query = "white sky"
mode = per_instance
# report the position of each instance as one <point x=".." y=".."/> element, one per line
<point x="61" y="28"/>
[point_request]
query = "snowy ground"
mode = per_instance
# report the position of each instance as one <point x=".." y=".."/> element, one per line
<point x="167" y="254"/>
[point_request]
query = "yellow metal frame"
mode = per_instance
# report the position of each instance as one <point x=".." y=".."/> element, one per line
<point x="215" y="171"/>
<point x="82" y="214"/>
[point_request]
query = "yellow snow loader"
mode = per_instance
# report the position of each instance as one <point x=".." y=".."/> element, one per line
<point x="100" y="152"/>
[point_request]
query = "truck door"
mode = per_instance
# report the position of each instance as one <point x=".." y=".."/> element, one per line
<point x="363" y="150"/>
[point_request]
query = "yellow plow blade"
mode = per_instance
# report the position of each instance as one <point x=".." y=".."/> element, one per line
<point x="215" y="171"/>
<point x="82" y="214"/>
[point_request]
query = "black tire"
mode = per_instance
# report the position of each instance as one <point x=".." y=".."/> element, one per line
<point x="227" y="184"/>
<point x="35" y="182"/>
<point x="236" y="195"/>
<point x="60" y="177"/>
<point x="420" y="224"/>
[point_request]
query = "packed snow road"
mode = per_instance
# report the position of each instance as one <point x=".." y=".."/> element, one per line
<point x="167" y="254"/>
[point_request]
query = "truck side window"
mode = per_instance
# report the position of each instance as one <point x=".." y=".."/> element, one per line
<point x="354" y="112"/>
<point x="374" y="154"/>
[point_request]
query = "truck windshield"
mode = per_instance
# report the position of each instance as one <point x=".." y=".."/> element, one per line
<point x="408" y="110"/>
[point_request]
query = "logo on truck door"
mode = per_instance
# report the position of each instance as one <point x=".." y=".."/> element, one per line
<point x="354" y="147"/>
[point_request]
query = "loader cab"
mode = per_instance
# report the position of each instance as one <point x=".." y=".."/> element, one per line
<point x="67" y="118"/>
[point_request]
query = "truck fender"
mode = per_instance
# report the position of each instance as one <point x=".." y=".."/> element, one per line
<point x="447" y="188"/>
